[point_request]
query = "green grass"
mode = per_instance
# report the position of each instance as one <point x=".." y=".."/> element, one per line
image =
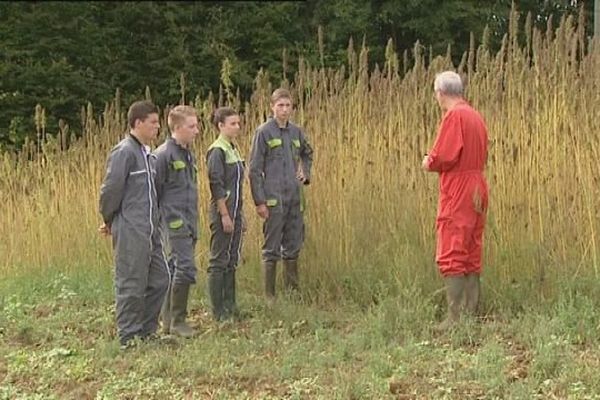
<point x="57" y="341"/>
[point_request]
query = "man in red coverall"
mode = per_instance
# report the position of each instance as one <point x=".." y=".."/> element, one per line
<point x="459" y="156"/>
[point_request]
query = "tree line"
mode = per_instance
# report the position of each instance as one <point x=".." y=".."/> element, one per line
<point x="64" y="55"/>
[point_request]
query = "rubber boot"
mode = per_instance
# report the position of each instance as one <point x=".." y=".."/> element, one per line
<point x="270" y="271"/>
<point x="229" y="303"/>
<point x="455" y="290"/>
<point x="472" y="292"/>
<point x="165" y="313"/>
<point x="290" y="276"/>
<point x="215" y="290"/>
<point x="179" y="300"/>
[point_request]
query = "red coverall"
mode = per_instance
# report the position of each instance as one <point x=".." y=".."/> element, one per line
<point x="459" y="155"/>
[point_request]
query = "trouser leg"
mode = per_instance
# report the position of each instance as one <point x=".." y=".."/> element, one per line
<point x="156" y="287"/>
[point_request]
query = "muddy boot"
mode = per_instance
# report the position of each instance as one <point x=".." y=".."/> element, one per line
<point x="215" y="291"/>
<point x="179" y="300"/>
<point x="270" y="271"/>
<point x="455" y="290"/>
<point x="229" y="303"/>
<point x="472" y="290"/>
<point x="165" y="313"/>
<point x="290" y="276"/>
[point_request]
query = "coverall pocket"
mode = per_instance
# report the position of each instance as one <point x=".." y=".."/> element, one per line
<point x="275" y="148"/>
<point x="271" y="193"/>
<point x="177" y="171"/>
<point x="176" y="226"/>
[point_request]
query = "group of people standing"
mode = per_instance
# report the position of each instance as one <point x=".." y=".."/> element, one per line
<point x="149" y="204"/>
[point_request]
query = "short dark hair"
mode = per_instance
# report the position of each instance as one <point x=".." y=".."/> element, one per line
<point x="140" y="110"/>
<point x="221" y="114"/>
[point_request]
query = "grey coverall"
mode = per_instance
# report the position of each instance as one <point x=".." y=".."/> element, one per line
<point x="129" y="206"/>
<point x="177" y="190"/>
<point x="226" y="176"/>
<point x="276" y="155"/>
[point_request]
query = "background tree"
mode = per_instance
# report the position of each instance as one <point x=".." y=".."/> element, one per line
<point x="64" y="55"/>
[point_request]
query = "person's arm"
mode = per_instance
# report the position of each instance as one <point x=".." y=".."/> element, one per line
<point x="118" y="167"/>
<point x="448" y="145"/>
<point x="306" y="155"/>
<point x="216" y="178"/>
<point x="257" y="174"/>
<point x="162" y="173"/>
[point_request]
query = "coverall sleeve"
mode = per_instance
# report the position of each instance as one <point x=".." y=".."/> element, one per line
<point x="257" y="168"/>
<point x="215" y="163"/>
<point x="448" y="145"/>
<point x="162" y="171"/>
<point x="118" y="167"/>
<point x="306" y="154"/>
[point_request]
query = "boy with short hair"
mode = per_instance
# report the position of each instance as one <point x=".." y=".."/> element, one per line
<point x="129" y="209"/>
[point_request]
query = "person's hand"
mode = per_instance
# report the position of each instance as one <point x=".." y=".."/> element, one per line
<point x="425" y="163"/>
<point x="104" y="230"/>
<point x="300" y="174"/>
<point x="227" y="223"/>
<point x="244" y="224"/>
<point x="262" y="211"/>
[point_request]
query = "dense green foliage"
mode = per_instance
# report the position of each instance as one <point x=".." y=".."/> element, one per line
<point x="63" y="55"/>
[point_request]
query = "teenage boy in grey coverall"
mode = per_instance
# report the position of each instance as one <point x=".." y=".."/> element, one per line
<point x="129" y="210"/>
<point x="177" y="189"/>
<point x="280" y="164"/>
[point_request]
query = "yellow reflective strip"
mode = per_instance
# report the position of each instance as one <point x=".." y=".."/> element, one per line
<point x="296" y="142"/>
<point x="271" y="202"/>
<point x="232" y="155"/>
<point x="274" y="142"/>
<point x="178" y="164"/>
<point x="178" y="223"/>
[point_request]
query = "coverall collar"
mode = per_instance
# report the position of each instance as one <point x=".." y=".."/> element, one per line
<point x="135" y="138"/>
<point x="276" y="123"/>
<point x="143" y="146"/>
<point x="227" y="141"/>
<point x="172" y="139"/>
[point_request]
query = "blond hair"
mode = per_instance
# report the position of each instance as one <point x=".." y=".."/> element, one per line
<point x="178" y="114"/>
<point x="280" y="93"/>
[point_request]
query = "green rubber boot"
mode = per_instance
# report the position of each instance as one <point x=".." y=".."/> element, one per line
<point x="179" y="300"/>
<point x="455" y="290"/>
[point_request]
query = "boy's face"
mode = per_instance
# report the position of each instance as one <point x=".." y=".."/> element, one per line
<point x="282" y="109"/>
<point x="148" y="128"/>
<point x="230" y="127"/>
<point x="188" y="130"/>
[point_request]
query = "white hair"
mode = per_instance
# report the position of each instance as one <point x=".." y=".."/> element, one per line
<point x="449" y="83"/>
